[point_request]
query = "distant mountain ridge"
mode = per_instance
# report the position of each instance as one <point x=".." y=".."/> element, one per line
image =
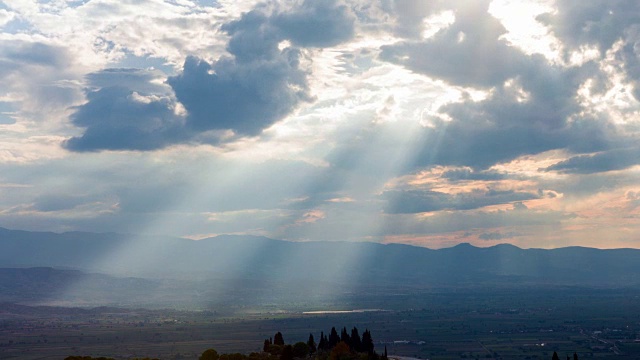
<point x="253" y="257"/>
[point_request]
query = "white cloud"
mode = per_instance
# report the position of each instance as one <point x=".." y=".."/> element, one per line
<point x="5" y="17"/>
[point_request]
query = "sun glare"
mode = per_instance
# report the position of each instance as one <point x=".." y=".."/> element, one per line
<point x="523" y="30"/>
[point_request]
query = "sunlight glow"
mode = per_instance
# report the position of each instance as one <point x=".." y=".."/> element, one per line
<point x="524" y="31"/>
<point x="437" y="22"/>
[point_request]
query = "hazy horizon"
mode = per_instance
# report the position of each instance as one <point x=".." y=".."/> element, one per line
<point x="135" y="237"/>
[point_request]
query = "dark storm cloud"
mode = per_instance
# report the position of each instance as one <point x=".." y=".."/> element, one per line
<point x="418" y="201"/>
<point x="117" y="118"/>
<point x="616" y="159"/>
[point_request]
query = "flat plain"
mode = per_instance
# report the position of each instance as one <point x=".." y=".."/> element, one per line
<point x="427" y="324"/>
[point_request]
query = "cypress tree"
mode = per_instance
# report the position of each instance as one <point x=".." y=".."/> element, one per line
<point x="322" y="345"/>
<point x="278" y="339"/>
<point x="367" y="342"/>
<point x="344" y="336"/>
<point x="555" y="356"/>
<point x="575" y="356"/>
<point x="265" y="347"/>
<point x="356" y="342"/>
<point x="311" y="343"/>
<point x="334" y="339"/>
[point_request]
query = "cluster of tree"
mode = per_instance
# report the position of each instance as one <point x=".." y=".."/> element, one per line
<point x="346" y="346"/>
<point x="353" y="341"/>
<point x="556" y="357"/>
<point x="333" y="347"/>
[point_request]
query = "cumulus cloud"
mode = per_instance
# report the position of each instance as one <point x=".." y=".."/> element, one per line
<point x="316" y="23"/>
<point x="600" y="24"/>
<point x="116" y="118"/>
<point x="469" y="52"/>
<point x="260" y="83"/>
<point x="5" y="17"/>
<point x="398" y="140"/>
<point x="531" y="108"/>
<point x="501" y="128"/>
<point x="245" y="97"/>
<point x="257" y="84"/>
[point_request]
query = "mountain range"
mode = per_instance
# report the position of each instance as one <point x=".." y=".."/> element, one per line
<point x="147" y="263"/>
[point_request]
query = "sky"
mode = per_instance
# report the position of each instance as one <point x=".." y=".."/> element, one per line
<point x="429" y="123"/>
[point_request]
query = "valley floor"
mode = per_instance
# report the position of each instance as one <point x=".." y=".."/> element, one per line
<point x="452" y="325"/>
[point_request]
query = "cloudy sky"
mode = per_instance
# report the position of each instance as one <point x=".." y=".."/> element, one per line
<point x="420" y="122"/>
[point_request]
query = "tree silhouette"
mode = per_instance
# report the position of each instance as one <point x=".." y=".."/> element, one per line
<point x="323" y="344"/>
<point x="356" y="342"/>
<point x="334" y="339"/>
<point x="555" y="356"/>
<point x="575" y="356"/>
<point x="311" y="343"/>
<point x="344" y="337"/>
<point x="367" y="342"/>
<point x="287" y="353"/>
<point x="209" y="354"/>
<point x="300" y="350"/>
<point x="278" y="339"/>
